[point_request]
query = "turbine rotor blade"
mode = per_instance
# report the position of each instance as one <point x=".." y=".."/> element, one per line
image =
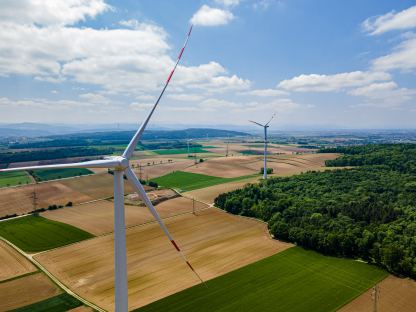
<point x="101" y="163"/>
<point x="132" y="145"/>
<point x="259" y="124"/>
<point x="131" y="177"/>
<point x="270" y="119"/>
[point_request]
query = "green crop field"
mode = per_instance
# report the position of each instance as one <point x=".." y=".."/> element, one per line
<point x="34" y="233"/>
<point x="294" y="280"/>
<point x="14" y="178"/>
<point x="192" y="150"/>
<point x="187" y="181"/>
<point x="54" y="174"/>
<point x="63" y="302"/>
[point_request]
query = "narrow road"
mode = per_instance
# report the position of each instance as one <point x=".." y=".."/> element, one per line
<point x="31" y="258"/>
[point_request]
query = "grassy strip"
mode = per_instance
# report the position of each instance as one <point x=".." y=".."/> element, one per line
<point x="18" y="276"/>
<point x="187" y="181"/>
<point x="14" y="178"/>
<point x="54" y="174"/>
<point x="62" y="302"/>
<point x="192" y="150"/>
<point x="34" y="233"/>
<point x="294" y="280"/>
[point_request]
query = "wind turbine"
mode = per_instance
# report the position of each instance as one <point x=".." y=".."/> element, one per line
<point x="265" y="144"/>
<point x="121" y="166"/>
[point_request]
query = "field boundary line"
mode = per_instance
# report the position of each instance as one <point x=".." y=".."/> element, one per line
<point x="19" y="276"/>
<point x="55" y="280"/>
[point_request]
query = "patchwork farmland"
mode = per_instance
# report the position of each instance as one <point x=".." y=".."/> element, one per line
<point x="215" y="242"/>
<point x="293" y="280"/>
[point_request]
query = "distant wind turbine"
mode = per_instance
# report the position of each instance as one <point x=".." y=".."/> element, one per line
<point x="121" y="166"/>
<point x="265" y="144"/>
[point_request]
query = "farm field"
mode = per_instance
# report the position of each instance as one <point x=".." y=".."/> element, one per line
<point x="12" y="264"/>
<point x="34" y="233"/>
<point x="54" y="174"/>
<point x="235" y="148"/>
<point x="26" y="290"/>
<point x="98" y="217"/>
<point x="192" y="150"/>
<point x="159" y="169"/>
<point x="62" y="302"/>
<point x="293" y="280"/>
<point x="395" y="294"/>
<point x="214" y="241"/>
<point x="208" y="194"/>
<point x="187" y="181"/>
<point x="14" y="178"/>
<point x="77" y="190"/>
<point x="282" y="165"/>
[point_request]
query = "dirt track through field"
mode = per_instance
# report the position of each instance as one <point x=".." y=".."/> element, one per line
<point x="214" y="241"/>
<point x="395" y="295"/>
<point x="12" y="263"/>
<point x="26" y="290"/>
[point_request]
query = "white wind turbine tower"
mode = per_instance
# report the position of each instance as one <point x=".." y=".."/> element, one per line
<point x="265" y="144"/>
<point x="121" y="167"/>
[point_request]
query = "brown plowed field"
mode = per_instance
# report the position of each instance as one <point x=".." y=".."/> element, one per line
<point x="26" y="290"/>
<point x="12" y="263"/>
<point x="395" y="295"/>
<point x="214" y="241"/>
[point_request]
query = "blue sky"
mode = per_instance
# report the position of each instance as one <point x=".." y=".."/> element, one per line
<point x="317" y="64"/>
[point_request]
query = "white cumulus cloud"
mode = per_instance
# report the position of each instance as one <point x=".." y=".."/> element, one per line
<point x="405" y="19"/>
<point x="46" y="12"/>
<point x="336" y="82"/>
<point x="403" y="57"/>
<point x="208" y="16"/>
<point x="228" y="3"/>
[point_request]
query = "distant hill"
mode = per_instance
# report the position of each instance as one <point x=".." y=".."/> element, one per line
<point x="192" y="133"/>
<point x="123" y="137"/>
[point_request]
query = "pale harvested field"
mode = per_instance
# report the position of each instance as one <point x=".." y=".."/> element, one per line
<point x="214" y="241"/>
<point x="81" y="189"/>
<point x="395" y="295"/>
<point x="26" y="290"/>
<point x="12" y="263"/>
<point x="208" y="194"/>
<point x="283" y="165"/>
<point x="159" y="169"/>
<point x="226" y="167"/>
<point x="236" y="148"/>
<point x="98" y="217"/>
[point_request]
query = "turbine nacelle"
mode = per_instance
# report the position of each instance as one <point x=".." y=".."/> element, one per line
<point x="119" y="163"/>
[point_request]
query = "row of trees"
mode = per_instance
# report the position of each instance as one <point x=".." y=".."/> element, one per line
<point x="367" y="212"/>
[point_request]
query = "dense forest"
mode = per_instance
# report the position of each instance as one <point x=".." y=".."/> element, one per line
<point x="368" y="212"/>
